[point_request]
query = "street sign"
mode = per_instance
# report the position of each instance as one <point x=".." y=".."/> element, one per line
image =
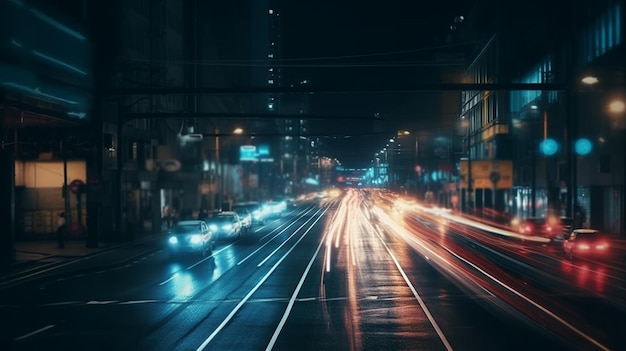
<point x="76" y="185"/>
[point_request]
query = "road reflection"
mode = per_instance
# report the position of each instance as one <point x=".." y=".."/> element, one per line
<point x="183" y="285"/>
<point x="586" y="275"/>
<point x="519" y="274"/>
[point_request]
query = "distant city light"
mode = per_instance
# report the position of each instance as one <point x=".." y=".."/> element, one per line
<point x="549" y="147"/>
<point x="617" y="106"/>
<point x="590" y="80"/>
<point x="583" y="146"/>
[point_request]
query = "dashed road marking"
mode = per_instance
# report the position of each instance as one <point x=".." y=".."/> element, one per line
<point x="34" y="332"/>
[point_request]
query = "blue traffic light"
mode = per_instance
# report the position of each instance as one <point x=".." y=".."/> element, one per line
<point x="549" y="147"/>
<point x="583" y="147"/>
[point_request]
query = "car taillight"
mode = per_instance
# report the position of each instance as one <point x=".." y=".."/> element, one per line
<point x="602" y="246"/>
<point x="583" y="246"/>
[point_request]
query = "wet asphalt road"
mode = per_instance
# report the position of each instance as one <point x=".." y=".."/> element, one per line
<point x="347" y="273"/>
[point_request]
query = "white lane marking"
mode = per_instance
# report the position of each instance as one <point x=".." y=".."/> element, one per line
<point x="252" y="291"/>
<point x="35" y="332"/>
<point x="296" y="291"/>
<point x="135" y="302"/>
<point x="199" y="262"/>
<point x="286" y="240"/>
<point x="509" y="288"/>
<point x="274" y="237"/>
<point x="105" y="302"/>
<point x="417" y="296"/>
<point x="532" y="302"/>
<point x="169" y="280"/>
<point x="62" y="303"/>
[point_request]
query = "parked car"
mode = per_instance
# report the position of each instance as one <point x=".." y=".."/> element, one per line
<point x="587" y="243"/>
<point x="225" y="225"/>
<point x="255" y="209"/>
<point x="244" y="216"/>
<point x="190" y="236"/>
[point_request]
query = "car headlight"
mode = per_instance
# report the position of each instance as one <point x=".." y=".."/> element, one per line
<point x="173" y="240"/>
<point x="196" y="239"/>
<point x="227" y="227"/>
<point x="213" y="227"/>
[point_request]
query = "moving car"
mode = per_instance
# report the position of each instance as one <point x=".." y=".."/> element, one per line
<point x="225" y="225"/>
<point x="255" y="209"/>
<point x="586" y="243"/>
<point x="538" y="226"/>
<point x="244" y="217"/>
<point x="549" y="227"/>
<point x="275" y="207"/>
<point x="190" y="236"/>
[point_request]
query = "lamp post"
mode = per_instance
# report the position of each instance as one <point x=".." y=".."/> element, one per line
<point x="617" y="109"/>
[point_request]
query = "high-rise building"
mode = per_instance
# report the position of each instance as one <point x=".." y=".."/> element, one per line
<point x="557" y="140"/>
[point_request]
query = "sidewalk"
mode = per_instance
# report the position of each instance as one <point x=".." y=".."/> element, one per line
<point x="35" y="257"/>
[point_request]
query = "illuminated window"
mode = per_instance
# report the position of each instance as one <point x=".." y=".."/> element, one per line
<point x="270" y="106"/>
<point x="270" y="81"/>
<point x="271" y="12"/>
<point x="270" y="55"/>
<point x="271" y="69"/>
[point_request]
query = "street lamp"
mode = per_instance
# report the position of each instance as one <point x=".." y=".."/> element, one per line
<point x="216" y="201"/>
<point x="590" y="80"/>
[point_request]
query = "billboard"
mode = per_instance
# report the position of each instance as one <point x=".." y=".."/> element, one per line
<point x="255" y="153"/>
<point x="248" y="153"/>
<point x="487" y="174"/>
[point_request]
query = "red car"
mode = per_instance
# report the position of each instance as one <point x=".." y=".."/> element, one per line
<point x="587" y="243"/>
<point x="550" y="227"/>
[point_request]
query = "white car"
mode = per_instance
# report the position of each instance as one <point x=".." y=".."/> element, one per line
<point x="225" y="225"/>
<point x="255" y="209"/>
<point x="275" y="208"/>
<point x="190" y="236"/>
<point x="244" y="217"/>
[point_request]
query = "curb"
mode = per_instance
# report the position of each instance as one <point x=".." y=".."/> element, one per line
<point x="9" y="280"/>
<point x="14" y="277"/>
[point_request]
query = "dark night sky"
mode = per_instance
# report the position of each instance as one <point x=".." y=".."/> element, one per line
<point x="331" y="37"/>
